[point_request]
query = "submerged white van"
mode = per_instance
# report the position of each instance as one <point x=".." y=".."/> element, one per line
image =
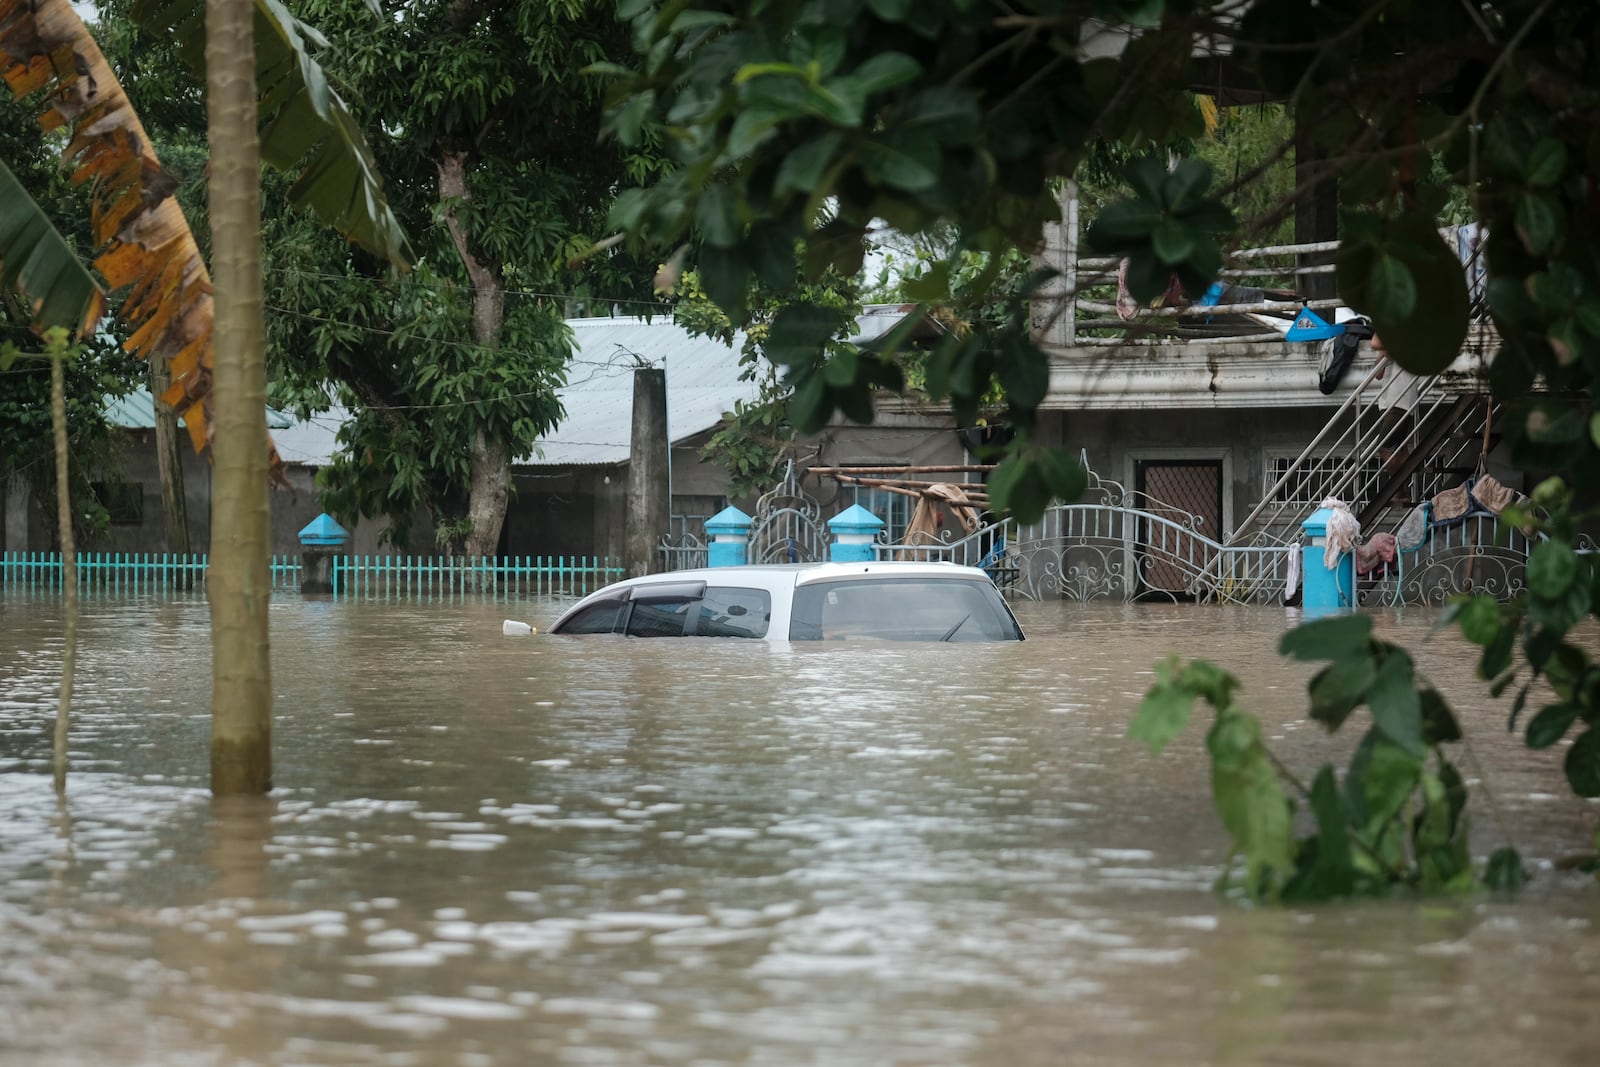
<point x="884" y="601"/>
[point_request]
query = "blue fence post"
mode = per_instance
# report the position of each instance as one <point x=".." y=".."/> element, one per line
<point x="1325" y="589"/>
<point x="729" y="531"/>
<point x="321" y="541"/>
<point x="854" y="530"/>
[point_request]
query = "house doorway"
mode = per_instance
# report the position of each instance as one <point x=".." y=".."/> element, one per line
<point x="1179" y="491"/>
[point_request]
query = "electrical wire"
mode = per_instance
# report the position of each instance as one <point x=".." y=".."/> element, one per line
<point x="664" y="307"/>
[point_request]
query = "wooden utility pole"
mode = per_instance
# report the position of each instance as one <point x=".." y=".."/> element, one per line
<point x="649" y="473"/>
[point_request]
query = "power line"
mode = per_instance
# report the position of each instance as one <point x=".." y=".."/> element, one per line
<point x="441" y="342"/>
<point x="662" y="306"/>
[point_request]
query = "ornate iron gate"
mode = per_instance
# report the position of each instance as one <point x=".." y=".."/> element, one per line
<point x="787" y="527"/>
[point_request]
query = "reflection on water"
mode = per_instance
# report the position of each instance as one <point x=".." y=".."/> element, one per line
<point x="486" y="850"/>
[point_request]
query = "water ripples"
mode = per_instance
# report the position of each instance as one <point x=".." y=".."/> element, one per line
<point x="697" y="852"/>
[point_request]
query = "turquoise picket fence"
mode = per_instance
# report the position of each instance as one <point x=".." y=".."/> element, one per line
<point x="354" y="577"/>
<point x="498" y="577"/>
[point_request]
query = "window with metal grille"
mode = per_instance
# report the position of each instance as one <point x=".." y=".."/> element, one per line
<point x="1315" y="478"/>
<point x="893" y="508"/>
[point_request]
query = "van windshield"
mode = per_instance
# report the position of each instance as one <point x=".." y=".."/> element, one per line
<point x="902" y="609"/>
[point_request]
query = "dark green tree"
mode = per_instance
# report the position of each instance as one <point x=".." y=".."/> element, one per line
<point x="491" y="145"/>
<point x="100" y="372"/>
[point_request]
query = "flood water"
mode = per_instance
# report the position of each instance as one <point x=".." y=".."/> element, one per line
<point x="487" y="851"/>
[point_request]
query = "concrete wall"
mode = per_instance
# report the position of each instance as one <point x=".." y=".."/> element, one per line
<point x="1242" y="440"/>
<point x="581" y="510"/>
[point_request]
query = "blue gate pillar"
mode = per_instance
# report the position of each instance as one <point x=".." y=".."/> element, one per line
<point x="320" y="541"/>
<point x="1324" y="588"/>
<point x="853" y="533"/>
<point x="729" y="531"/>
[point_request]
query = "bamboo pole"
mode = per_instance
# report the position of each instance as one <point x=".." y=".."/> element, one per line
<point x="957" y="468"/>
<point x="909" y="483"/>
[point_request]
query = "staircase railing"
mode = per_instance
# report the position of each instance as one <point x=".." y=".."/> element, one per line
<point x="1368" y="445"/>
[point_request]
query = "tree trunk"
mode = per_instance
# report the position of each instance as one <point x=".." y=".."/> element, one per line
<point x="490" y="486"/>
<point x="69" y="564"/>
<point x="489" y="494"/>
<point x="174" y="508"/>
<point x="239" y="577"/>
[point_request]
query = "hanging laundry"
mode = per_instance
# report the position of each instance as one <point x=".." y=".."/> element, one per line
<point x="1376" y="552"/>
<point x="1413" y="529"/>
<point x="1452" y="505"/>
<point x="1339" y="352"/>
<point x="1343" y="533"/>
<point x="1491" y="495"/>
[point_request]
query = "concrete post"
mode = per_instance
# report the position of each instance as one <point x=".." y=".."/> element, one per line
<point x="321" y="541"/>
<point x="1324" y="589"/>
<point x="853" y="533"/>
<point x="729" y="531"/>
<point x="649" y="474"/>
<point x="14" y="510"/>
<point x="1053" y="319"/>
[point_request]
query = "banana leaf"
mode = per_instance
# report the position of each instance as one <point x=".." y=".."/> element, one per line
<point x="305" y="124"/>
<point x="36" y="261"/>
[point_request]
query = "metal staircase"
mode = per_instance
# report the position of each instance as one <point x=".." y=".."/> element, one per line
<point x="1395" y="441"/>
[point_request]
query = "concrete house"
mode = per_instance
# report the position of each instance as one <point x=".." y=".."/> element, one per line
<point x="571" y="490"/>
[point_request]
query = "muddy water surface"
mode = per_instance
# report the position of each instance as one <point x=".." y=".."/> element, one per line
<point x="490" y="851"/>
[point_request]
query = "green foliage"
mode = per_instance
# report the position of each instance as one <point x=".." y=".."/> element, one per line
<point x="1561" y="595"/>
<point x="418" y="392"/>
<point x="99" y="371"/>
<point x="756" y="436"/>
<point x="305" y="125"/>
<point x="820" y="120"/>
<point x="429" y="364"/>
<point x="1401" y="272"/>
<point x="1169" y="227"/>
<point x="1397" y="821"/>
<point x="38" y="263"/>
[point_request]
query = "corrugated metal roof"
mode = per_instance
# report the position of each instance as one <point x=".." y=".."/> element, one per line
<point x="137" y="411"/>
<point x="702" y="383"/>
<point x="312" y="442"/>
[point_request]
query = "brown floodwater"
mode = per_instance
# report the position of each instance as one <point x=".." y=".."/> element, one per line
<point x="485" y="850"/>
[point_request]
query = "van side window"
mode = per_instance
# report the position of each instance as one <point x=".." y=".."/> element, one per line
<point x="660" y="616"/>
<point x="598" y="618"/>
<point x="732" y="612"/>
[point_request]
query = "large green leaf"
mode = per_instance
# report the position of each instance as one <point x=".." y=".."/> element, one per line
<point x="304" y="121"/>
<point x="37" y="262"/>
<point x="1248" y="796"/>
<point x="1165" y="710"/>
<point x="1422" y="328"/>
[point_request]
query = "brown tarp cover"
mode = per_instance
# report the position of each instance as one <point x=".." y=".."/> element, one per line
<point x="924" y="525"/>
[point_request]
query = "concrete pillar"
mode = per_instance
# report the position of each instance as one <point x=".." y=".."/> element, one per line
<point x="1324" y="589"/>
<point x="649" y="474"/>
<point x="1051" y="306"/>
<point x="729" y="531"/>
<point x="321" y="541"/>
<point x="15" y="512"/>
<point x="1316" y="213"/>
<point x="854" y="530"/>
